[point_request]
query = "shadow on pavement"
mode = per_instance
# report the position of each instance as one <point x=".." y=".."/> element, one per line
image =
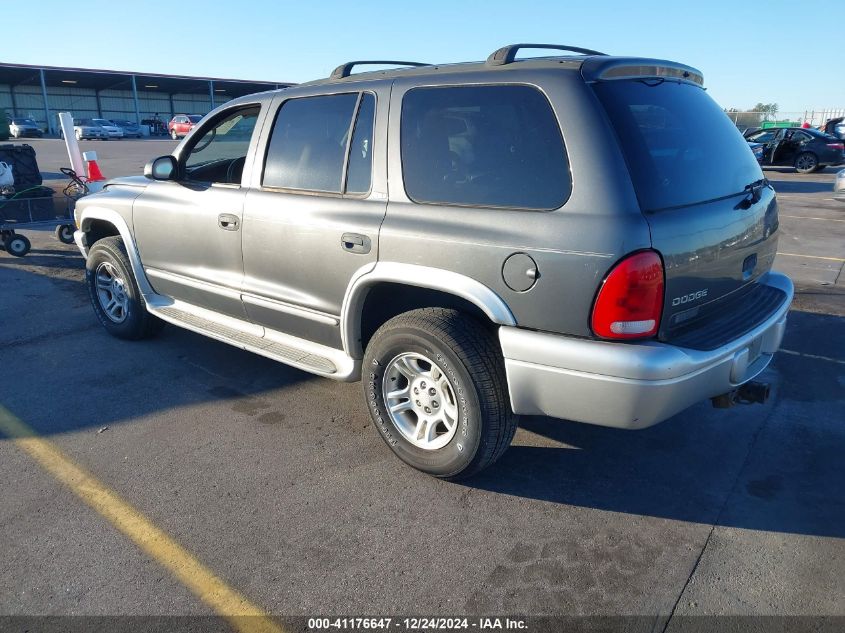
<point x="778" y="466"/>
<point x="798" y="186"/>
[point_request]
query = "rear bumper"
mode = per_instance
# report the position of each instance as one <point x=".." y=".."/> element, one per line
<point x="631" y="385"/>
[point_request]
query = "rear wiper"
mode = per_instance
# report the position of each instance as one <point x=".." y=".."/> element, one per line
<point x="754" y="191"/>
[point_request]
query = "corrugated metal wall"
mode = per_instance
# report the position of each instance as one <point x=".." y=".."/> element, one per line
<point x="114" y="104"/>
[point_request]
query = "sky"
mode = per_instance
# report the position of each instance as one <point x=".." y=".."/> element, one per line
<point x="789" y="53"/>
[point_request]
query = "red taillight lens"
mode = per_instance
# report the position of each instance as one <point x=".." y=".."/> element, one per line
<point x="839" y="146"/>
<point x="630" y="301"/>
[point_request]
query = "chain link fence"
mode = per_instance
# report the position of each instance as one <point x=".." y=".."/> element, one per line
<point x="815" y="118"/>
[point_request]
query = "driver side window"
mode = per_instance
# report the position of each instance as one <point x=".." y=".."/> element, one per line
<point x="219" y="154"/>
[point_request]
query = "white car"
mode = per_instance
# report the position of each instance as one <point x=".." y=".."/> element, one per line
<point x="839" y="186"/>
<point x="114" y="131"/>
<point x="23" y="126"/>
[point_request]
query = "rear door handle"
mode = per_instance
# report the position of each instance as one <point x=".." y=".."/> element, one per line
<point x="227" y="222"/>
<point x="355" y="243"/>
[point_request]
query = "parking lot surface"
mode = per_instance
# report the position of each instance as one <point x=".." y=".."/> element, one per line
<point x="277" y="483"/>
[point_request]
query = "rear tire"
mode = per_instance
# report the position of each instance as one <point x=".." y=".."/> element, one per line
<point x="806" y="163"/>
<point x="441" y="373"/>
<point x="114" y="293"/>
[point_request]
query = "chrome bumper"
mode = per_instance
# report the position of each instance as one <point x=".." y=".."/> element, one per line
<point x="631" y="385"/>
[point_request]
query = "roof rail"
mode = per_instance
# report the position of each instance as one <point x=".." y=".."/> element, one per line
<point x="507" y="54"/>
<point x="344" y="70"/>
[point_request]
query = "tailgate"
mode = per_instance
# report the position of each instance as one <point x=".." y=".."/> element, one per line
<point x="711" y="253"/>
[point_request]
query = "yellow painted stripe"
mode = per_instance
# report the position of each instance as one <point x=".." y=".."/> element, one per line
<point x="242" y="615"/>
<point x="832" y="259"/>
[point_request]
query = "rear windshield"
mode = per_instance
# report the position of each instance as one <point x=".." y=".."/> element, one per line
<point x="680" y="147"/>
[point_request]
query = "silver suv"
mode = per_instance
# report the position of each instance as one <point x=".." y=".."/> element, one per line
<point x="581" y="236"/>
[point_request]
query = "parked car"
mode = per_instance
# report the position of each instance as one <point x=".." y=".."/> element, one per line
<point x="181" y="124"/>
<point x="839" y="186"/>
<point x="616" y="277"/>
<point x="130" y="129"/>
<point x="111" y="128"/>
<point x="806" y="149"/>
<point x="86" y="129"/>
<point x="20" y="127"/>
<point x="835" y="127"/>
<point x="757" y="149"/>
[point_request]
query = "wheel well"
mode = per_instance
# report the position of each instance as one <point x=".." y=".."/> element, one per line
<point x="387" y="300"/>
<point x="98" y="229"/>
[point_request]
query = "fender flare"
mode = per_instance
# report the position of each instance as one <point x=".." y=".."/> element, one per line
<point x="413" y="275"/>
<point x="119" y="222"/>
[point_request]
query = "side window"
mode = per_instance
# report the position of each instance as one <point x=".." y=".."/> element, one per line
<point x="219" y="154"/>
<point x="360" y="167"/>
<point x="489" y="146"/>
<point x="801" y="137"/>
<point x="308" y="144"/>
<point x="764" y="136"/>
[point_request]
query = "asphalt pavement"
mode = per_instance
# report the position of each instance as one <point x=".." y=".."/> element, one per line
<point x="277" y="483"/>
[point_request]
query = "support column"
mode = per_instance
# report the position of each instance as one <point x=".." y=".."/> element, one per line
<point x="211" y="92"/>
<point x="135" y="99"/>
<point x="172" y="109"/>
<point x="99" y="107"/>
<point x="14" y="101"/>
<point x="50" y="127"/>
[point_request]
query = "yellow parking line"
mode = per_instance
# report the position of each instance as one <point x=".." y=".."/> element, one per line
<point x="832" y="259"/>
<point x="241" y="614"/>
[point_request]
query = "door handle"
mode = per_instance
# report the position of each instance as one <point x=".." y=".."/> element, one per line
<point x="355" y="243"/>
<point x="227" y="222"/>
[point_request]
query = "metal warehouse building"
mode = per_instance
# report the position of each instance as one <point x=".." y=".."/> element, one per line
<point x="40" y="92"/>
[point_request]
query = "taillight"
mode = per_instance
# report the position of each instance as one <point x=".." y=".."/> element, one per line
<point x="630" y="300"/>
<point x="839" y="146"/>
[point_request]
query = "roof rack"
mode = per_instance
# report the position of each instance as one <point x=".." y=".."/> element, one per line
<point x="344" y="70"/>
<point x="507" y="54"/>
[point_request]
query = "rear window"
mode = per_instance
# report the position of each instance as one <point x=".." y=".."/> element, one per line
<point x="487" y="146"/>
<point x="680" y="147"/>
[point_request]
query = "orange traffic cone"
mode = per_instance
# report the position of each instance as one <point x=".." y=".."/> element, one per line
<point x="94" y="173"/>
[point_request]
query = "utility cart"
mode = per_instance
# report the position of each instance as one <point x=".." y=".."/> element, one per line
<point x="24" y="211"/>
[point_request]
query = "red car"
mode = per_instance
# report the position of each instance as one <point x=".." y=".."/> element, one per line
<point x="181" y="124"/>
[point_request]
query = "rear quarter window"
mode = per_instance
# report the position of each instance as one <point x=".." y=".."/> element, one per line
<point x="486" y="146"/>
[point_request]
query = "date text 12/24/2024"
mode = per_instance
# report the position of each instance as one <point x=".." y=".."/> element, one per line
<point x="415" y="624"/>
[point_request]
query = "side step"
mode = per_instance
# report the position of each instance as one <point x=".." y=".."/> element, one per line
<point x="288" y="352"/>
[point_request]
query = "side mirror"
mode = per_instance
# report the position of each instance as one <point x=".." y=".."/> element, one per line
<point x="161" y="168"/>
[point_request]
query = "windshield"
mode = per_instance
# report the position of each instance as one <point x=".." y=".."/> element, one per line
<point x="23" y="121"/>
<point x="680" y="146"/>
<point x="194" y="118"/>
<point x="103" y="122"/>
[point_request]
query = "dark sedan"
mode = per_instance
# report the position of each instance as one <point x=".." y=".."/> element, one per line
<point x="806" y="149"/>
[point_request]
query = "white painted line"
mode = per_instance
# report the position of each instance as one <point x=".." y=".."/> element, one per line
<point x="802" y="217"/>
<point x="813" y="356"/>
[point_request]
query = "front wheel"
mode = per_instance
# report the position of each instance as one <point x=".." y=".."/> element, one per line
<point x="435" y="385"/>
<point x="806" y="163"/>
<point x="114" y="293"/>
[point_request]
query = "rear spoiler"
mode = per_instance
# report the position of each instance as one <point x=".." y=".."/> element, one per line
<point x="610" y="68"/>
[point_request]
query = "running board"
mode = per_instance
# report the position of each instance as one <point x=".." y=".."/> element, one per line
<point x="305" y="355"/>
